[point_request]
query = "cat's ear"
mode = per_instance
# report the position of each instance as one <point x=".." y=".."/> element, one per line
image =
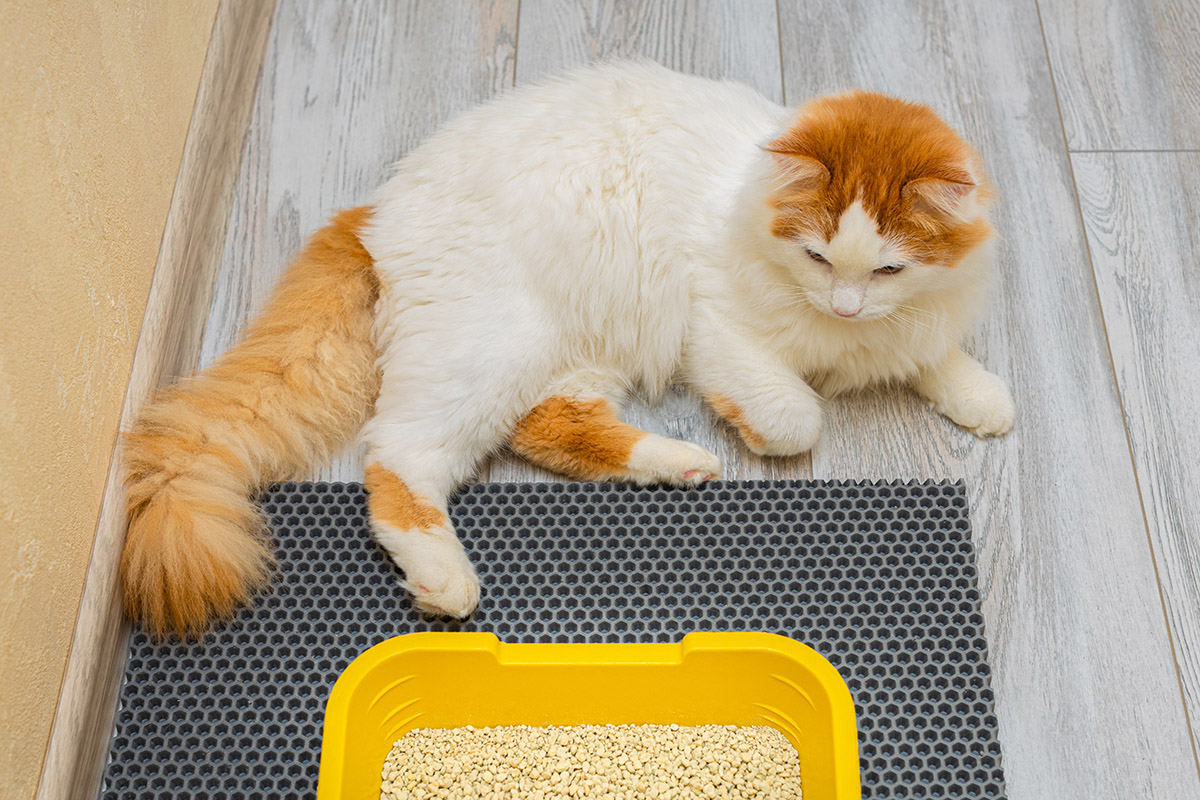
<point x="940" y="196"/>
<point x="799" y="170"/>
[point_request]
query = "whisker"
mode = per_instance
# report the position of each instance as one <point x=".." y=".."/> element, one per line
<point x="922" y="321"/>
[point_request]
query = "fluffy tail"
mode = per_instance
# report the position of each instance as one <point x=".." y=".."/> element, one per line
<point x="299" y="385"/>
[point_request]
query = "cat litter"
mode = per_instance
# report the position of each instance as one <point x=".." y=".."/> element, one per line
<point x="614" y="762"/>
<point x="878" y="577"/>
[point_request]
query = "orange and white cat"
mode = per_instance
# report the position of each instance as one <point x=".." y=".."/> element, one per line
<point x="532" y="264"/>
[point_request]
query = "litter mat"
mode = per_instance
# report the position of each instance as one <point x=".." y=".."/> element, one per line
<point x="879" y="578"/>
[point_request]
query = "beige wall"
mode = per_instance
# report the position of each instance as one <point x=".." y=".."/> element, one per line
<point x="95" y="99"/>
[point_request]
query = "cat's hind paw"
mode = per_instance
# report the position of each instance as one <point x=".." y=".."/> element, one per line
<point x="657" y="459"/>
<point x="437" y="572"/>
<point x="455" y="593"/>
<point x="441" y="580"/>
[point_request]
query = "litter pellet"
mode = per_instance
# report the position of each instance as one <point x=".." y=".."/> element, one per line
<point x="607" y="762"/>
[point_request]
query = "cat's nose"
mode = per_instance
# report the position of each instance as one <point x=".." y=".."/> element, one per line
<point x="846" y="300"/>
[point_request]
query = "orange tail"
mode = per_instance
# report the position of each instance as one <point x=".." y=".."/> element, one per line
<point x="298" y="386"/>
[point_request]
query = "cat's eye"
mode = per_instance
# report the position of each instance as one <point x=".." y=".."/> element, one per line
<point x="891" y="269"/>
<point x="815" y="256"/>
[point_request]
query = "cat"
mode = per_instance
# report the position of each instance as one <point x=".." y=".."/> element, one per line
<point x="529" y="266"/>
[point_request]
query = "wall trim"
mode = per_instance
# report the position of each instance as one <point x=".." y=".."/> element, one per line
<point x="168" y="345"/>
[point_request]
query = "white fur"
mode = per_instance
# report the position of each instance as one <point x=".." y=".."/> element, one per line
<point x="437" y="571"/>
<point x="964" y="391"/>
<point x="608" y="230"/>
<point x="656" y="459"/>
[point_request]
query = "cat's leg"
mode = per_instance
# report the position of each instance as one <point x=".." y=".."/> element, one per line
<point x="409" y="520"/>
<point x="961" y="389"/>
<point x="439" y="411"/>
<point x="771" y="407"/>
<point x="576" y="431"/>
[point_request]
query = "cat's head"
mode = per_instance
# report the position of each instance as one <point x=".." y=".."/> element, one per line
<point x="875" y="202"/>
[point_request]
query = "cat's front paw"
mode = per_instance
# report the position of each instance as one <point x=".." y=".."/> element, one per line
<point x="657" y="459"/>
<point x="984" y="406"/>
<point x="774" y="424"/>
<point x="787" y="435"/>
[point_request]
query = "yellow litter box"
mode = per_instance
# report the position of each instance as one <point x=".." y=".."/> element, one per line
<point x="448" y="680"/>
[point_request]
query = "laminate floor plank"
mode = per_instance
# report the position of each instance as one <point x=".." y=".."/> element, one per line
<point x="724" y="39"/>
<point x="1140" y="211"/>
<point x="1126" y="72"/>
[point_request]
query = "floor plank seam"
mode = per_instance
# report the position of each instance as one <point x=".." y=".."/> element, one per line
<point x="1134" y="150"/>
<point x="1117" y="388"/>
<point x="516" y="49"/>
<point x="779" y="39"/>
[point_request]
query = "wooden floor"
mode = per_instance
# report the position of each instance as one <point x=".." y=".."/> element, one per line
<point x="1088" y="115"/>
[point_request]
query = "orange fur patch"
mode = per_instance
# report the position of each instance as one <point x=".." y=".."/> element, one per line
<point x="871" y="147"/>
<point x="390" y="500"/>
<point x="580" y="438"/>
<point x="299" y="384"/>
<point x="731" y="412"/>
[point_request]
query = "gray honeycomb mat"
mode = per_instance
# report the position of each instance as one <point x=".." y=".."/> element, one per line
<point x="879" y="577"/>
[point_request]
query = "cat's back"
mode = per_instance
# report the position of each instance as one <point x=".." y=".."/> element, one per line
<point x="630" y="97"/>
<point x="570" y="214"/>
<point x="610" y="119"/>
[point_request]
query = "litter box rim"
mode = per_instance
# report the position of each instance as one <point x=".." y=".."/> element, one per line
<point x="834" y="775"/>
